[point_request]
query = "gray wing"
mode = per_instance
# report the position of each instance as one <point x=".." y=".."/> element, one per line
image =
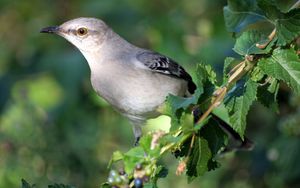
<point x="164" y="65"/>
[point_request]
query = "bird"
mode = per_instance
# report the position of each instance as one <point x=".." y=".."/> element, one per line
<point x="133" y="80"/>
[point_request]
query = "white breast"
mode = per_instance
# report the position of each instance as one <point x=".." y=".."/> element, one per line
<point x="132" y="90"/>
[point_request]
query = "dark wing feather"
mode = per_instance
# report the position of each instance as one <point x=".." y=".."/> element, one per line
<point x="164" y="65"/>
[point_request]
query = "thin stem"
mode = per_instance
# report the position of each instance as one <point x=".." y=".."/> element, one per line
<point x="221" y="94"/>
<point x="270" y="38"/>
<point x="191" y="145"/>
<point x="296" y="5"/>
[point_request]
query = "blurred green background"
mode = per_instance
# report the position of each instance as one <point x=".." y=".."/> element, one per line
<point x="53" y="127"/>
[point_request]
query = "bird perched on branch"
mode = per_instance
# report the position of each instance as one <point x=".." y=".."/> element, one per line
<point x="135" y="81"/>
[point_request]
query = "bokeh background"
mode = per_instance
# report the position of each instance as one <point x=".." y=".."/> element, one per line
<point x="54" y="129"/>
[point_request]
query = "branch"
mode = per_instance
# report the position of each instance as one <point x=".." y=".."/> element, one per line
<point x="296" y="5"/>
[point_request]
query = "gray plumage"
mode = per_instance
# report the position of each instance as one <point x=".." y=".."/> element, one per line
<point x="133" y="80"/>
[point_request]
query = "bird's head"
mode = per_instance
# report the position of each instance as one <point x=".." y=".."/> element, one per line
<point x="86" y="34"/>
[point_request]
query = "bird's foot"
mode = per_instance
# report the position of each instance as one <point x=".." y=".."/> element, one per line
<point x="137" y="140"/>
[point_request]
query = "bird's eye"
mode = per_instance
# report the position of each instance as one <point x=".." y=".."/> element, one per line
<point x="82" y="31"/>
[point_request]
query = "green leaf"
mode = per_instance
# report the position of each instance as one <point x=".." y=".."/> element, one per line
<point x="269" y="98"/>
<point x="198" y="161"/>
<point x="145" y="143"/>
<point x="246" y="43"/>
<point x="274" y="86"/>
<point x="187" y="122"/>
<point x="212" y="139"/>
<point x="132" y="157"/>
<point x="222" y="112"/>
<point x="205" y="75"/>
<point x="117" y="156"/>
<point x="238" y="103"/>
<point x="257" y="74"/>
<point x="288" y="27"/>
<point x="228" y="62"/>
<point x="270" y="9"/>
<point x="239" y="14"/>
<point x="175" y="106"/>
<point x="206" y="78"/>
<point x="287" y="24"/>
<point x="176" y="103"/>
<point x="215" y="136"/>
<point x="283" y="65"/>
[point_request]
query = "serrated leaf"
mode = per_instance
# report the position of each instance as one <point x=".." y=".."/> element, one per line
<point x="288" y="27"/>
<point x="267" y="98"/>
<point x="239" y="14"/>
<point x="198" y="161"/>
<point x="206" y="78"/>
<point x="246" y="43"/>
<point x="238" y="103"/>
<point x="205" y="75"/>
<point x="209" y="141"/>
<point x="287" y="24"/>
<point x="283" y="65"/>
<point x="215" y="137"/>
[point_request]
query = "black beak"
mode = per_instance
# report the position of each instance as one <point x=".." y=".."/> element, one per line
<point x="51" y="29"/>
